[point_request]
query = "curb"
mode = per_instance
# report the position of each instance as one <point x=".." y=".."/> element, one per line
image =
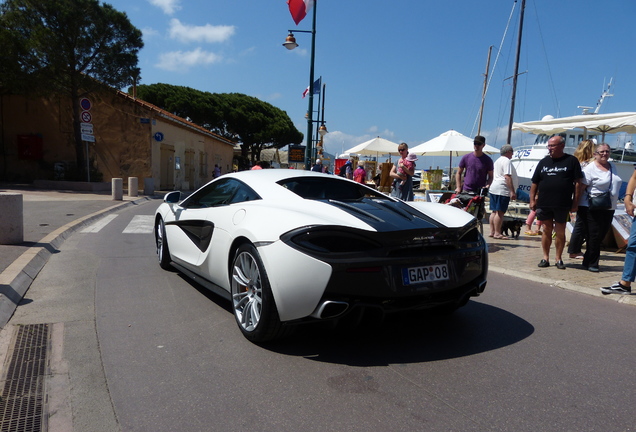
<point x="625" y="299"/>
<point x="16" y="279"/>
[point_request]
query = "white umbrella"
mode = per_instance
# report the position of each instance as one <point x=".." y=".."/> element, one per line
<point x="374" y="147"/>
<point x="604" y="123"/>
<point x="449" y="143"/>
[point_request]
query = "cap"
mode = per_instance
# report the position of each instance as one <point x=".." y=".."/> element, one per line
<point x="411" y="157"/>
<point x="479" y="140"/>
<point x="317" y="160"/>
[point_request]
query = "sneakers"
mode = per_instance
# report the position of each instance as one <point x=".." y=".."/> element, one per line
<point x="616" y="288"/>
<point x="560" y="265"/>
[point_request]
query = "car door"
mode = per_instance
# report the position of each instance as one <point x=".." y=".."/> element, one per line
<point x="191" y="232"/>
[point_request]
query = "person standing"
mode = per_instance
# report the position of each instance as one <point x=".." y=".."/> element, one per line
<point x="402" y="175"/>
<point x="479" y="169"/>
<point x="553" y="194"/>
<point x="600" y="182"/>
<point x="349" y="169"/>
<point x="317" y="166"/>
<point x="217" y="171"/>
<point x="585" y="154"/>
<point x="346" y="170"/>
<point x="502" y="190"/>
<point x="624" y="286"/>
<point x="360" y="175"/>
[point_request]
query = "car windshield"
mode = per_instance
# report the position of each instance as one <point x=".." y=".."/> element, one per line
<point x="316" y="188"/>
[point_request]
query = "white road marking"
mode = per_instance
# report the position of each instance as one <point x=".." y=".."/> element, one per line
<point x="140" y="224"/>
<point x="97" y="226"/>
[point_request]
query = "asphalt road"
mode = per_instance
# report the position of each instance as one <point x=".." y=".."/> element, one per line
<point x="136" y="348"/>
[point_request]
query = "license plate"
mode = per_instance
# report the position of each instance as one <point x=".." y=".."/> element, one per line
<point x="429" y="273"/>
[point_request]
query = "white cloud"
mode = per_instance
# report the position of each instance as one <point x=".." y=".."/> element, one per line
<point x="149" y="32"/>
<point x="181" y="61"/>
<point x="207" y="33"/>
<point x="167" y="6"/>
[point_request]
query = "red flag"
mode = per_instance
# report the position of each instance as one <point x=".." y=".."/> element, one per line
<point x="299" y="9"/>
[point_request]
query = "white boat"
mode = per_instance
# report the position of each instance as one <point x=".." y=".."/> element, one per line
<point x="526" y="158"/>
<point x="589" y="125"/>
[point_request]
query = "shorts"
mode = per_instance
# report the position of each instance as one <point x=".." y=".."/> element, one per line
<point x="558" y="214"/>
<point x="499" y="202"/>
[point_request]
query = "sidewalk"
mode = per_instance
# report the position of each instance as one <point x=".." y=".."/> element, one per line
<point x="520" y="257"/>
<point x="51" y="216"/>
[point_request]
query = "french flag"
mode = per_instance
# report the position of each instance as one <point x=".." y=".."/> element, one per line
<point x="299" y="9"/>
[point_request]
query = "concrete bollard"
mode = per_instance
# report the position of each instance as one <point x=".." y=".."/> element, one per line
<point x="149" y="186"/>
<point x="133" y="186"/>
<point x="118" y="189"/>
<point x="11" y="218"/>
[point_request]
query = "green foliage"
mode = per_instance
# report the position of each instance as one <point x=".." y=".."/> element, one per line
<point x="68" y="47"/>
<point x="254" y="123"/>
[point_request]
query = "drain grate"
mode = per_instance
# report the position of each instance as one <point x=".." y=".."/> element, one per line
<point x="22" y="400"/>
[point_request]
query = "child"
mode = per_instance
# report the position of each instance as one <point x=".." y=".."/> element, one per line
<point x="409" y="163"/>
<point x="529" y="222"/>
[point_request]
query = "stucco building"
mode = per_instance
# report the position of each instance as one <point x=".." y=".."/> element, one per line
<point x="125" y="137"/>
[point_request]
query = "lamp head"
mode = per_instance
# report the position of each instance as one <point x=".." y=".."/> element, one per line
<point x="323" y="130"/>
<point x="290" y="42"/>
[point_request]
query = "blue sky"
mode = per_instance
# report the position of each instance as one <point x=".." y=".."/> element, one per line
<point x="404" y="70"/>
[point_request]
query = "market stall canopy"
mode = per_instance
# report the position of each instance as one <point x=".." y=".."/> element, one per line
<point x="450" y="142"/>
<point x="374" y="147"/>
<point x="604" y="123"/>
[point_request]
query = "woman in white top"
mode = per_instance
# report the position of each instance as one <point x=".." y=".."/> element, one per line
<point x="585" y="154"/>
<point x="600" y="177"/>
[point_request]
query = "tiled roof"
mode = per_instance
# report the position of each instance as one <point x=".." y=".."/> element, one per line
<point x="176" y="119"/>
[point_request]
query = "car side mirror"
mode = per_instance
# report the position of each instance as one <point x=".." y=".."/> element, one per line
<point x="172" y="197"/>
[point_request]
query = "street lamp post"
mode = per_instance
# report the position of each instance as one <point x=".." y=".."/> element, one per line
<point x="290" y="44"/>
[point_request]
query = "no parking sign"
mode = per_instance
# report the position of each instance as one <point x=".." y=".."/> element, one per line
<point x="85" y="103"/>
<point x="86" y="117"/>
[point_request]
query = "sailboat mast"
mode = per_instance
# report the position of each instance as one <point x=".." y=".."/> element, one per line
<point x="514" y="77"/>
<point x="483" y="93"/>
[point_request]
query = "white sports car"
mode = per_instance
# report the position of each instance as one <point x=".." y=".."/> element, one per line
<point x="288" y="246"/>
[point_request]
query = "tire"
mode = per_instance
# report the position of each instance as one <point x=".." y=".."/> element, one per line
<point x="163" y="252"/>
<point x="252" y="300"/>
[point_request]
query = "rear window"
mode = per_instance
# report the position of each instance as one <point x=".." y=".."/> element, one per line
<point x="329" y="188"/>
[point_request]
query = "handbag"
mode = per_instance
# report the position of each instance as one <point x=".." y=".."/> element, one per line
<point x="602" y="201"/>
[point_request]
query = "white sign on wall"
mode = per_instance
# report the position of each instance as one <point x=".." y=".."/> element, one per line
<point x="86" y="128"/>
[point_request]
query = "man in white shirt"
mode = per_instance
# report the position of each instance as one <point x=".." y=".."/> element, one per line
<point x="502" y="190"/>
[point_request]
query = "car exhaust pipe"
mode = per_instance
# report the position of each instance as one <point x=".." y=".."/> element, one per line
<point x="330" y="309"/>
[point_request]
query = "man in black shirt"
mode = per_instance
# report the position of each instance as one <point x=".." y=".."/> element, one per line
<point x="554" y="181"/>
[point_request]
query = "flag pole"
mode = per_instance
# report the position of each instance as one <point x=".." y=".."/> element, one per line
<point x="310" y="109"/>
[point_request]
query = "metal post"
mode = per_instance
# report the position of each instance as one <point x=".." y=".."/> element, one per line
<point x="514" y="77"/>
<point x="309" y="148"/>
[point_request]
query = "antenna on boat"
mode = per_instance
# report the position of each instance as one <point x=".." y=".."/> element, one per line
<point x="605" y="94"/>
